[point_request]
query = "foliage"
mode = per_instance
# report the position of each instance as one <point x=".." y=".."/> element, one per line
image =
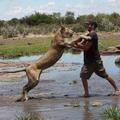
<point x="78" y="28"/>
<point x="41" y="23"/>
<point x="9" y="31"/>
<point x="69" y="17"/>
<point x="112" y="113"/>
<point x="24" y="46"/>
<point x="29" y="116"/>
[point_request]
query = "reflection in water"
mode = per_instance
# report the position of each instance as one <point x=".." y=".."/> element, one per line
<point x="30" y="109"/>
<point x="116" y="102"/>
<point x="118" y="66"/>
<point x="87" y="115"/>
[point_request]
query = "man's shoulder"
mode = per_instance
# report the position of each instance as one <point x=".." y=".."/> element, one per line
<point x="93" y="33"/>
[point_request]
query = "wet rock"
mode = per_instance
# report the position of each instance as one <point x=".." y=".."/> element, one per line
<point x="52" y="97"/>
<point x="111" y="50"/>
<point x="74" y="82"/>
<point x="117" y="61"/>
<point x="118" y="47"/>
<point x="11" y="90"/>
<point x="76" y="105"/>
<point x="70" y="83"/>
<point x="96" y="104"/>
<point x="66" y="105"/>
<point x="66" y="95"/>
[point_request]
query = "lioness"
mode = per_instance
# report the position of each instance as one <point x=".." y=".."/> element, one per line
<point x="34" y="70"/>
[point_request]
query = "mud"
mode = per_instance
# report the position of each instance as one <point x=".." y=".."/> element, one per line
<point x="59" y="93"/>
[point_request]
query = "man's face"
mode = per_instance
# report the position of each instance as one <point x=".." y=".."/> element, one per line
<point x="90" y="27"/>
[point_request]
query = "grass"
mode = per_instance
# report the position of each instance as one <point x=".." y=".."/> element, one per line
<point x="103" y="44"/>
<point x="29" y="116"/>
<point x="15" y="47"/>
<point x="112" y="113"/>
<point x="27" y="46"/>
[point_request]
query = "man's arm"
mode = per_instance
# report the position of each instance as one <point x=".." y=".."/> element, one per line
<point x="83" y="46"/>
<point x="85" y="37"/>
<point x="80" y="38"/>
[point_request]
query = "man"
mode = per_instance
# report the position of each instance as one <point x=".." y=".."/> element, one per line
<point x="92" y="60"/>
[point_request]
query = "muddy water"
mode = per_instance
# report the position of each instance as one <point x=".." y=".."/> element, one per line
<point x="59" y="93"/>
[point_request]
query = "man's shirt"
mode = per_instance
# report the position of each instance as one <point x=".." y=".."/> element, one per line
<point x="92" y="54"/>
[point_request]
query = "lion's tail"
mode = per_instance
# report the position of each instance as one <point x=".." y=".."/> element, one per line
<point x="13" y="70"/>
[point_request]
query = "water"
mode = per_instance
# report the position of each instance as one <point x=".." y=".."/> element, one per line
<point x="109" y="60"/>
<point x="55" y="84"/>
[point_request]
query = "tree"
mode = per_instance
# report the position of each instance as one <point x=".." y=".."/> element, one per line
<point x="56" y="17"/>
<point x="2" y="23"/>
<point x="69" y="17"/>
<point x="115" y="19"/>
<point x="99" y="19"/>
<point x="13" y="21"/>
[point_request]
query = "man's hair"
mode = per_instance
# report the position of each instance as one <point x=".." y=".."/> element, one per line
<point x="93" y="23"/>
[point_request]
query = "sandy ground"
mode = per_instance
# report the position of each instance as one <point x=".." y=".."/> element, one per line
<point x="58" y="95"/>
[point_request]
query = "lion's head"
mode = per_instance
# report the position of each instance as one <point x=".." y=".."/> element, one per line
<point x="64" y="36"/>
<point x="66" y="32"/>
<point x="68" y="35"/>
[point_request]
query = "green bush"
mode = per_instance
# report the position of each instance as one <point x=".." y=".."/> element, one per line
<point x="29" y="116"/>
<point x="9" y="32"/>
<point x="78" y="28"/>
<point x="112" y="113"/>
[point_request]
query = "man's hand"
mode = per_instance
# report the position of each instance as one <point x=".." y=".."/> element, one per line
<point x="83" y="45"/>
<point x="85" y="37"/>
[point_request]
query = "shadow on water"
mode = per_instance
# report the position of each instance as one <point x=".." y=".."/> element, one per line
<point x="59" y="94"/>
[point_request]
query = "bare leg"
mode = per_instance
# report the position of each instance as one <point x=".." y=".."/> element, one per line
<point x="33" y="80"/>
<point x="85" y="85"/>
<point x="112" y="82"/>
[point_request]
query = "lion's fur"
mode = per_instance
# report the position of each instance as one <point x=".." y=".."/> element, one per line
<point x="34" y="70"/>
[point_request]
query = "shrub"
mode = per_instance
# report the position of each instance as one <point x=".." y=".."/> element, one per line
<point x="9" y="31"/>
<point x="29" y="116"/>
<point x="78" y="28"/>
<point x="112" y="113"/>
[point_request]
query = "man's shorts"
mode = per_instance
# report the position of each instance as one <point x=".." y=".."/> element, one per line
<point x="97" y="67"/>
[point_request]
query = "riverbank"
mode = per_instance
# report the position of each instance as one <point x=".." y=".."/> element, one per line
<point x="37" y="44"/>
<point x="15" y="47"/>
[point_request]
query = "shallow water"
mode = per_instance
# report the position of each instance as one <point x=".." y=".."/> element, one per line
<point x="72" y="58"/>
<point x="59" y="90"/>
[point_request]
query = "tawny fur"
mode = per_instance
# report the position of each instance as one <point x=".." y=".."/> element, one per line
<point x="34" y="70"/>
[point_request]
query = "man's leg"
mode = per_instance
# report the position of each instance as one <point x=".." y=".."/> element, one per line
<point x="85" y="74"/>
<point x="112" y="82"/>
<point x="100" y="71"/>
<point x="85" y="85"/>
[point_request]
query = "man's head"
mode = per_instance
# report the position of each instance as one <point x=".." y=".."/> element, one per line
<point x="91" y="25"/>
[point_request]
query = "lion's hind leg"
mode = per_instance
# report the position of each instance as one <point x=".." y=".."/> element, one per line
<point x="33" y="79"/>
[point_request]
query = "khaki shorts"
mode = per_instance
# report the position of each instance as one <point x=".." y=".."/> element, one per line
<point x="89" y="69"/>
